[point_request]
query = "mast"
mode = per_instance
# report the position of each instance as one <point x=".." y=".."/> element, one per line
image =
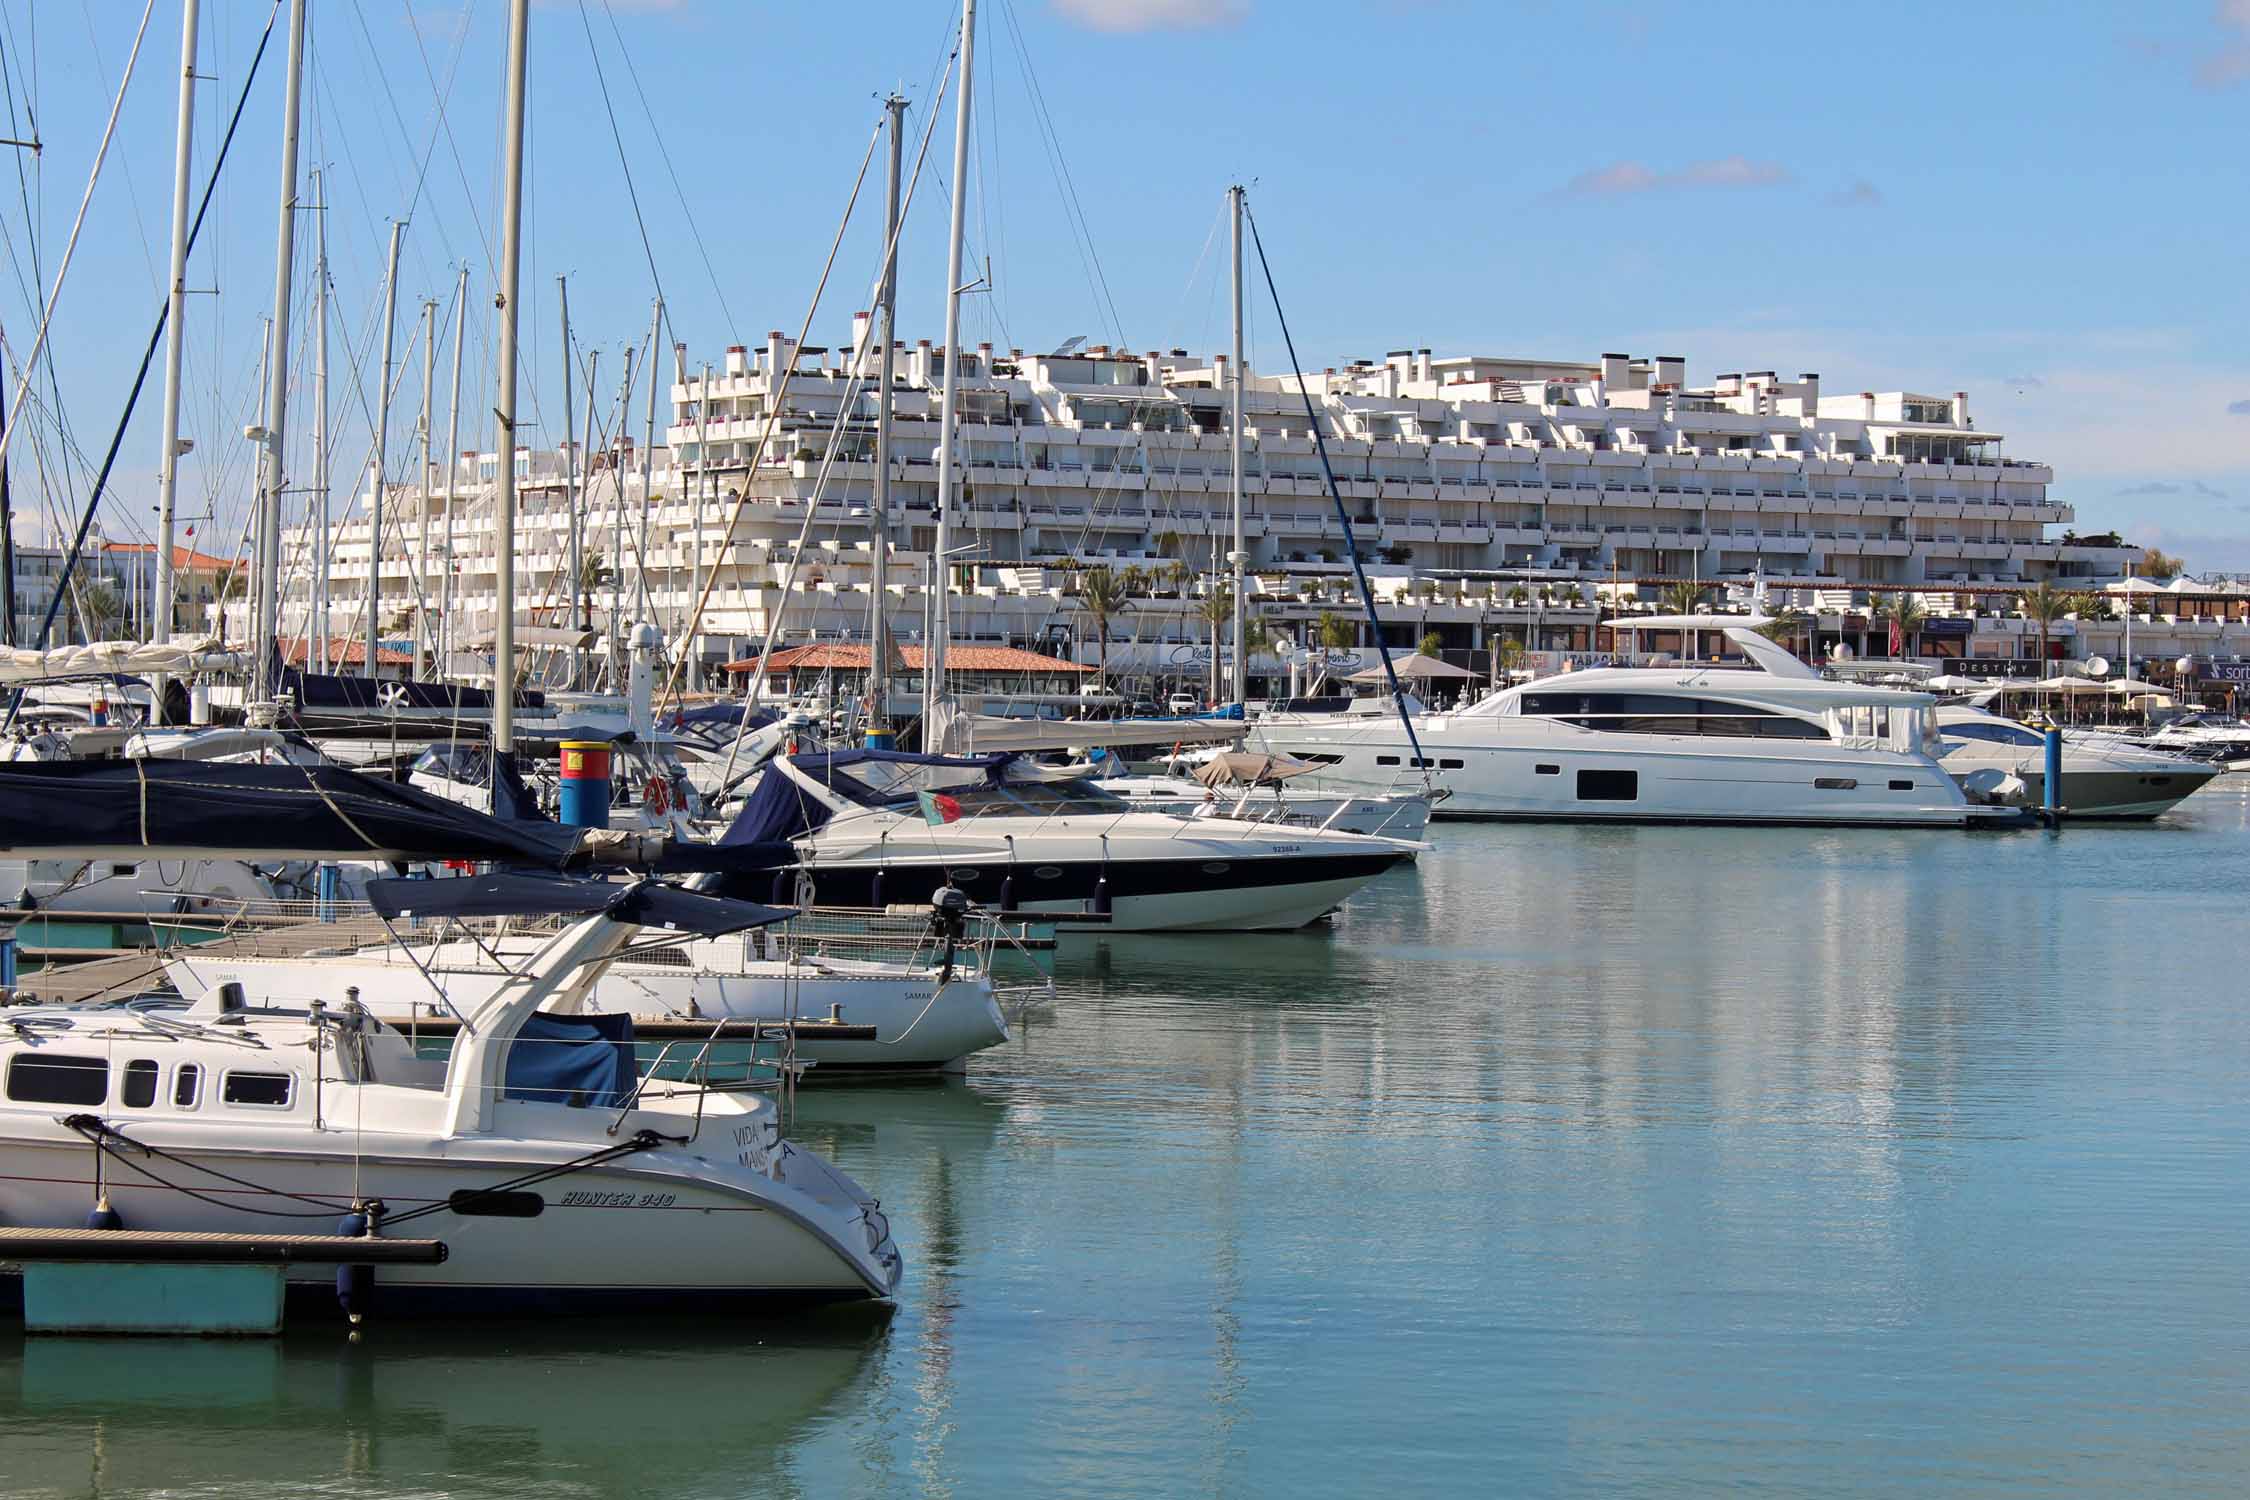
<point x="582" y="597"/>
<point x="175" y="344"/>
<point x="878" y="642"/>
<point x="320" y="419"/>
<point x="933" y="652"/>
<point x="452" y="469"/>
<point x="695" y="519"/>
<point x="504" y="405"/>
<point x="423" y="648"/>
<point x="382" y="450"/>
<point x="8" y="541"/>
<point x="1234" y="454"/>
<point x="267" y="616"/>
<point x="573" y="561"/>
<point x="617" y="529"/>
<point x="648" y="454"/>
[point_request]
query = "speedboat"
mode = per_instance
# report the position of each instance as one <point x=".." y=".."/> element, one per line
<point x="2107" y="777"/>
<point x="929" y="1012"/>
<point x="554" y="1176"/>
<point x="874" y="827"/>
<point x="1250" y="785"/>
<point x="1682" y="744"/>
<point x="2221" y="739"/>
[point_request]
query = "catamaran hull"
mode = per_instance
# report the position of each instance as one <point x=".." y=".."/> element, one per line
<point x="636" y="1231"/>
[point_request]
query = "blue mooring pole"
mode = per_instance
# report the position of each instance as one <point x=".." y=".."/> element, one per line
<point x="8" y="959"/>
<point x="2051" y="790"/>
<point x="324" y="888"/>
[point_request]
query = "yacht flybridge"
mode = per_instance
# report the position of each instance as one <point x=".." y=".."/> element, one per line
<point x="874" y="827"/>
<point x="1686" y="744"/>
<point x="553" y="1175"/>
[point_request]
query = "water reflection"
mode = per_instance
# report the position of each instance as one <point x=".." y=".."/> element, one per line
<point x="1604" y="1159"/>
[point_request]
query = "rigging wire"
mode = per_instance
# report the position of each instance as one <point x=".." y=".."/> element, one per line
<point x="70" y="246"/>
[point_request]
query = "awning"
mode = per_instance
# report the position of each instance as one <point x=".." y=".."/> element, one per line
<point x="1414" y="668"/>
<point x="1250" y="768"/>
<point x="646" y="903"/>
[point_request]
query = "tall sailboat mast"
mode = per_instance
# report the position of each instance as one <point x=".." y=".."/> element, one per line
<point x="452" y="469"/>
<point x="933" y="651"/>
<point x="274" y="429"/>
<point x="582" y="597"/>
<point x="886" y="308"/>
<point x="319" y="632"/>
<point x="425" y="646"/>
<point x="1234" y="453"/>
<point x="648" y="454"/>
<point x="504" y="406"/>
<point x="573" y="560"/>
<point x="382" y="452"/>
<point x="175" y="344"/>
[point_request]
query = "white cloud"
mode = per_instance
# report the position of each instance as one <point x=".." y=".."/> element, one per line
<point x="2229" y="63"/>
<point x="1639" y="177"/>
<point x="1152" y="15"/>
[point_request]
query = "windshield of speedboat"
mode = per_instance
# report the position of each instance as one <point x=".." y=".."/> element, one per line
<point x="1025" y="799"/>
<point x="455" y="761"/>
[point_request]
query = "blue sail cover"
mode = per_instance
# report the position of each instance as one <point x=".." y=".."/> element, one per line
<point x="319" y="812"/>
<point x="326" y="690"/>
<point x="646" y="903"/>
<point x="776" y="811"/>
<point x="585" y="1062"/>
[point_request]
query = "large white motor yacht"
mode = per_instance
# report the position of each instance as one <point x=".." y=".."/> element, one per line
<point x="550" y="1172"/>
<point x="2221" y="739"/>
<point x="873" y="827"/>
<point x="1679" y="744"/>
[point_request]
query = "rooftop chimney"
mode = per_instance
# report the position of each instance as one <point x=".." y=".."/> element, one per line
<point x="1960" y="408"/>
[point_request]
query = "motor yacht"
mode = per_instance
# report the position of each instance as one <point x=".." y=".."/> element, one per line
<point x="1687" y="743"/>
<point x="2221" y="739"/>
<point x="874" y="827"/>
<point x="554" y="1176"/>
<point x="2103" y="777"/>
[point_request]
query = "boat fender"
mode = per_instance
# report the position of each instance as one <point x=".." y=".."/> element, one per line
<point x="1101" y="893"/>
<point x="103" y="1216"/>
<point x="781" y="888"/>
<point x="355" y="1285"/>
<point x="656" y="796"/>
<point x="877" y="902"/>
<point x="1008" y="891"/>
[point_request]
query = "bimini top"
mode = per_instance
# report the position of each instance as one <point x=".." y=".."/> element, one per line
<point x="644" y="903"/>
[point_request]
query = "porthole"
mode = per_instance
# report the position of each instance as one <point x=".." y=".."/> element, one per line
<point x="1835" y="783"/>
<point x="1048" y="872"/>
<point x="1902" y="786"/>
<point x="1216" y="867"/>
<point x="962" y="877"/>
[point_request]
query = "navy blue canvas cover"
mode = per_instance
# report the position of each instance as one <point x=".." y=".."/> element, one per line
<point x="582" y="1061"/>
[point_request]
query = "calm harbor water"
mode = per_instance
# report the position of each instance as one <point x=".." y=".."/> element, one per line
<point x="1577" y="1161"/>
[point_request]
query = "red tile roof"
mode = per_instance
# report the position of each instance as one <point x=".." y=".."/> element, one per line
<point x="822" y="657"/>
<point x="182" y="557"/>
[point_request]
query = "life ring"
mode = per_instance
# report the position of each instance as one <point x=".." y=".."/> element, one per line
<point x="656" y="796"/>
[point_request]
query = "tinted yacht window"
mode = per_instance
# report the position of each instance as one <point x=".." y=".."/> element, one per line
<point x="58" y="1080"/>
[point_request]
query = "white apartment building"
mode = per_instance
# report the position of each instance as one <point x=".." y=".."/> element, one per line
<point x="1487" y="494"/>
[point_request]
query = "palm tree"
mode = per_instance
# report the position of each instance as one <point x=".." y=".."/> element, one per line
<point x="100" y="608"/>
<point x="2043" y="605"/>
<point x="1336" y="632"/>
<point x="1101" y="594"/>
<point x="1906" y="611"/>
<point x="1681" y="598"/>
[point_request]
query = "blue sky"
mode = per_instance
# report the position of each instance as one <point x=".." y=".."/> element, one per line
<point x="2046" y="205"/>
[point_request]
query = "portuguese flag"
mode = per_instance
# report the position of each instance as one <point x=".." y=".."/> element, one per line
<point x="939" y="808"/>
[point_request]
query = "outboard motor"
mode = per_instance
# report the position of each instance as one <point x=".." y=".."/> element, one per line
<point x="949" y="921"/>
